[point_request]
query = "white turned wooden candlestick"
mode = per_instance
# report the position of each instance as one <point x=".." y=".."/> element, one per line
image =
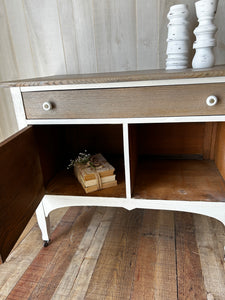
<point x="177" y="41"/>
<point x="205" y="34"/>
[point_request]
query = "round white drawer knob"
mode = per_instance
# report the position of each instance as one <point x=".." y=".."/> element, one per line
<point x="211" y="100"/>
<point x="47" y="106"/>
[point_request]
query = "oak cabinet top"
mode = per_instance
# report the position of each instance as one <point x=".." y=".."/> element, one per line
<point x="144" y="75"/>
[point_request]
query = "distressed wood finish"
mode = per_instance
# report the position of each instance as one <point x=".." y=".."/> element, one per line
<point x="115" y="45"/>
<point x="20" y="40"/>
<point x="34" y="279"/>
<point x="84" y="30"/>
<point x="139" y="254"/>
<point x="23" y="253"/>
<point x="47" y="59"/>
<point x="111" y="77"/>
<point x="190" y="180"/>
<point x="155" y="272"/>
<point x="219" y="149"/>
<point x="117" y="259"/>
<point x="188" y="260"/>
<point x="147" y="34"/>
<point x="138" y="102"/>
<point x="21" y="187"/>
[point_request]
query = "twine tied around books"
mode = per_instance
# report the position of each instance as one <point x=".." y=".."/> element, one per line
<point x="95" y="165"/>
<point x="99" y="181"/>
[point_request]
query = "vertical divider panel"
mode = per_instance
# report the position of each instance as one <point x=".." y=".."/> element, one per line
<point x="126" y="160"/>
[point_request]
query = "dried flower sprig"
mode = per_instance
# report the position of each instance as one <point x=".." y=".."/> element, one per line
<point x="83" y="158"/>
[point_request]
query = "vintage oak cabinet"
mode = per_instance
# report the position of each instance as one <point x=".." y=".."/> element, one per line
<point x="164" y="132"/>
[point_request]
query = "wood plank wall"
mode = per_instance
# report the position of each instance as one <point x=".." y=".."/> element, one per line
<point x="47" y="37"/>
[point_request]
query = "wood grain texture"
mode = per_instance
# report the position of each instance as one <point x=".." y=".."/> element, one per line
<point x="85" y="35"/>
<point x="188" y="261"/>
<point x="210" y="235"/>
<point x="155" y="271"/>
<point x="181" y="139"/>
<point x="20" y="39"/>
<point x="135" y="257"/>
<point x="69" y="38"/>
<point x="122" y="102"/>
<point x="190" y="180"/>
<point x="32" y="282"/>
<point x="9" y="69"/>
<point x="85" y="258"/>
<point x="147" y="29"/>
<point x="209" y="140"/>
<point x="114" y="270"/>
<point x="220" y="47"/>
<point x="115" y="36"/>
<point x="219" y="149"/>
<point x="49" y="59"/>
<point x="22" y="256"/>
<point x="21" y="186"/>
<point x="114" y="77"/>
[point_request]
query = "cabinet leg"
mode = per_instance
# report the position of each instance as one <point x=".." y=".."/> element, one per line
<point x="43" y="223"/>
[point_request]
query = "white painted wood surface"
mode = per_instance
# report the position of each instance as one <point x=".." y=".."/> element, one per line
<point x="18" y="107"/>
<point x="41" y="38"/>
<point x="85" y="35"/>
<point x="45" y="36"/>
<point x="147" y="41"/>
<point x="115" y="27"/>
<point x="20" y="42"/>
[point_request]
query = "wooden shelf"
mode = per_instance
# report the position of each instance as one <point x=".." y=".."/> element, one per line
<point x="171" y="179"/>
<point x="65" y="183"/>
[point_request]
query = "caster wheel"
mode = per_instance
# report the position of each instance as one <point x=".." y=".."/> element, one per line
<point x="46" y="243"/>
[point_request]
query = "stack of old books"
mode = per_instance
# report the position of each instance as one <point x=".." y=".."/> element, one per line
<point x="96" y="174"/>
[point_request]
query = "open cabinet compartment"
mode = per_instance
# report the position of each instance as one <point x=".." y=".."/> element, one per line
<point x="178" y="161"/>
<point x="60" y="143"/>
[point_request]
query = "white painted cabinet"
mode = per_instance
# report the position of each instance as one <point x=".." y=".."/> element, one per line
<point x="163" y="132"/>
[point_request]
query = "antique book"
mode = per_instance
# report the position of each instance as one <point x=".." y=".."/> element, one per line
<point x="97" y="174"/>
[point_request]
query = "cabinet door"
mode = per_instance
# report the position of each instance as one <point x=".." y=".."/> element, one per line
<point x="21" y="186"/>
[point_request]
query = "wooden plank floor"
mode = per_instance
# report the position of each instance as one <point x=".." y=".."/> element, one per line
<point x="110" y="253"/>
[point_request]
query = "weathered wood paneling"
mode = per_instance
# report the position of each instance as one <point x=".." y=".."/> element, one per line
<point x="115" y="35"/>
<point x="67" y="23"/>
<point x="20" y="40"/>
<point x="45" y="36"/>
<point x="147" y="42"/>
<point x="85" y="35"/>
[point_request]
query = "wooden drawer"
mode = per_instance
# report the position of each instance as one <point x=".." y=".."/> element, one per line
<point x="138" y="102"/>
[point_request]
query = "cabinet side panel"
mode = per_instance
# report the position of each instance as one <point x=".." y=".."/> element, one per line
<point x="220" y="149"/>
<point x="21" y="186"/>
